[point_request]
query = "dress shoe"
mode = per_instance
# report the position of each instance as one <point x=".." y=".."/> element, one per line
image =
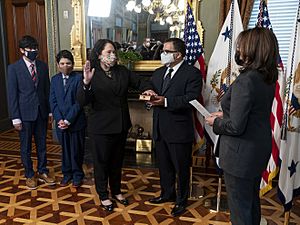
<point x="43" y="177"/>
<point x="159" y="200"/>
<point x="65" y="181"/>
<point x="178" y="210"/>
<point x="76" y="183"/>
<point x="122" y="201"/>
<point x="109" y="207"/>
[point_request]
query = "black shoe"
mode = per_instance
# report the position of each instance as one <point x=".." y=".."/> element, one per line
<point x="77" y="184"/>
<point x="65" y="181"/>
<point x="159" y="200"/>
<point x="109" y="207"/>
<point x="178" y="210"/>
<point x="122" y="201"/>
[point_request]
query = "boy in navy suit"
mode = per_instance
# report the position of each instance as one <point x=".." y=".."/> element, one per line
<point x="28" y="91"/>
<point x="69" y="117"/>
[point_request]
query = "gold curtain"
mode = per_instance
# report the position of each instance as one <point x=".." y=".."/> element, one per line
<point x="245" y="10"/>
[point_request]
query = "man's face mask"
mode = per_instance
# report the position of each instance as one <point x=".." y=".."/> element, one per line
<point x="31" y="54"/>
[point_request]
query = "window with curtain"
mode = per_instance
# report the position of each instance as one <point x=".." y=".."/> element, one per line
<point x="282" y="16"/>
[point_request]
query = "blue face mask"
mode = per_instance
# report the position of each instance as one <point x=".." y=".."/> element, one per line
<point x="31" y="54"/>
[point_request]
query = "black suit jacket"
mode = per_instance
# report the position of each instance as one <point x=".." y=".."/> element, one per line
<point x="108" y="97"/>
<point x="246" y="138"/>
<point x="176" y="121"/>
<point x="24" y="99"/>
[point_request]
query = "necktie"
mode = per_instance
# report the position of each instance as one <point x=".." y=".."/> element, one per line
<point x="167" y="80"/>
<point x="33" y="74"/>
<point x="65" y="81"/>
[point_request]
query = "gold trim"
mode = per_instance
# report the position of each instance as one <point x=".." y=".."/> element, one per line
<point x="52" y="35"/>
<point x="78" y="39"/>
<point x="146" y="65"/>
<point x="196" y="11"/>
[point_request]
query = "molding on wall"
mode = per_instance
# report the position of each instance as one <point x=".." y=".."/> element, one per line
<point x="52" y="34"/>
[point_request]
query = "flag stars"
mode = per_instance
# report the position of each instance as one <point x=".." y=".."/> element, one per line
<point x="227" y="33"/>
<point x="292" y="168"/>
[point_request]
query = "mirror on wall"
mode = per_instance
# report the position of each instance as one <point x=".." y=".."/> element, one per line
<point x="133" y="24"/>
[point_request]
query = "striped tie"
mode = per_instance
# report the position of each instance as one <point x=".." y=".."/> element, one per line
<point x="33" y="74"/>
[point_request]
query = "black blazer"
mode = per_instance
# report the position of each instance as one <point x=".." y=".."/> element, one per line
<point x="245" y="130"/>
<point x="108" y="97"/>
<point x="176" y="121"/>
<point x="24" y="99"/>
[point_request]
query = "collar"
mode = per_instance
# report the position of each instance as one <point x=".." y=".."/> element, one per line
<point x="28" y="64"/>
<point x="175" y="68"/>
<point x="65" y="76"/>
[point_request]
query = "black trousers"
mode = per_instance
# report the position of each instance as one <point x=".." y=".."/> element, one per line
<point x="243" y="199"/>
<point x="174" y="159"/>
<point x="108" y="155"/>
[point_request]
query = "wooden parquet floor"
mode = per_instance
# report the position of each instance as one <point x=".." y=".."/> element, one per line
<point x="49" y="205"/>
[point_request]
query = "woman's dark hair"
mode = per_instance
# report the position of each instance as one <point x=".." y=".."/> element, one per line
<point x="64" y="54"/>
<point x="28" y="42"/>
<point x="96" y="51"/>
<point x="178" y="44"/>
<point x="258" y="49"/>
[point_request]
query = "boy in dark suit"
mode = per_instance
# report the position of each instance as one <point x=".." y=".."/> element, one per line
<point x="28" y="91"/>
<point x="70" y="118"/>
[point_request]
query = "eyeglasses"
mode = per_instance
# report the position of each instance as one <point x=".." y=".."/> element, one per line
<point x="167" y="51"/>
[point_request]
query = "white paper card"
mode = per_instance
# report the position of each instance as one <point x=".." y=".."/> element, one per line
<point x="200" y="108"/>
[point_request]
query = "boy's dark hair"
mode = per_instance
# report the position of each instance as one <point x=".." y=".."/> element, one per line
<point x="64" y="54"/>
<point x="28" y="42"/>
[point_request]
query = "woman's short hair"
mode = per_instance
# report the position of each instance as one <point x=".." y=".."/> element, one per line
<point x="96" y="51"/>
<point x="64" y="54"/>
<point x="258" y="49"/>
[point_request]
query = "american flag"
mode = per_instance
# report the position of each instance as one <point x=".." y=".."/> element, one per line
<point x="272" y="169"/>
<point x="194" y="56"/>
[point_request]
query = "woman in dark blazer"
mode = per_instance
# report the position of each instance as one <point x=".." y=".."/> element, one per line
<point x="244" y="125"/>
<point x="105" y="86"/>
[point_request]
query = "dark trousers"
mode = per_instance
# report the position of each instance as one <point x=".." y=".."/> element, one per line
<point x="108" y="154"/>
<point x="174" y="159"/>
<point x="72" y="153"/>
<point x="38" y="129"/>
<point x="243" y="200"/>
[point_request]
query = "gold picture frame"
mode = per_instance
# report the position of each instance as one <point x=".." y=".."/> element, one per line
<point x="78" y="38"/>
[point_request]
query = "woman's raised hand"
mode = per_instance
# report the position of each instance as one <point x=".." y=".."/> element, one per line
<point x="87" y="72"/>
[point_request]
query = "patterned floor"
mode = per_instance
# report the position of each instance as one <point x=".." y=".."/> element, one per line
<point x="66" y="205"/>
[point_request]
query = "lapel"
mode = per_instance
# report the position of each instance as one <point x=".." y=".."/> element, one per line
<point x="38" y="72"/>
<point x="161" y="79"/>
<point x="174" y="78"/>
<point x="59" y="86"/>
<point x="27" y="76"/>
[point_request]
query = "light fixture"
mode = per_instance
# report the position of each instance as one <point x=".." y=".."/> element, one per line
<point x="164" y="11"/>
<point x="99" y="8"/>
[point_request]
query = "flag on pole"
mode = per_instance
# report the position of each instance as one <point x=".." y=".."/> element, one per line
<point x="276" y="116"/>
<point x="194" y="56"/>
<point x="222" y="69"/>
<point x="289" y="176"/>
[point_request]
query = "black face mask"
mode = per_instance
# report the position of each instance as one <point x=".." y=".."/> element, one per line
<point x="31" y="55"/>
<point x="237" y="58"/>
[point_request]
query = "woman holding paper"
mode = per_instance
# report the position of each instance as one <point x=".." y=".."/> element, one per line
<point x="244" y="126"/>
<point x="105" y="87"/>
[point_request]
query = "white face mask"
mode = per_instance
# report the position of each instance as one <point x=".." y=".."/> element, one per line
<point x="166" y="59"/>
